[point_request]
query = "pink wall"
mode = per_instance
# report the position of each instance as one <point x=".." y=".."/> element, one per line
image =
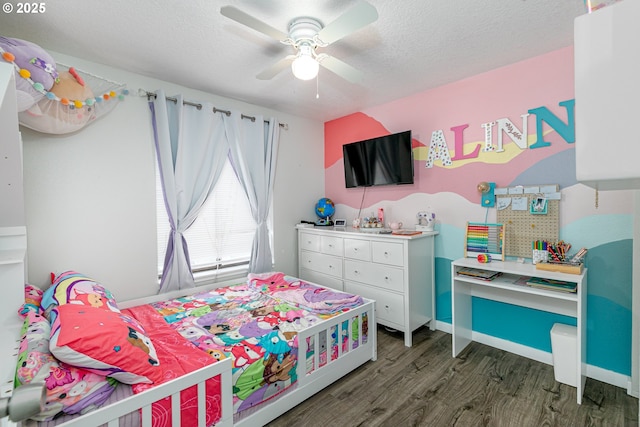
<point x="507" y="92"/>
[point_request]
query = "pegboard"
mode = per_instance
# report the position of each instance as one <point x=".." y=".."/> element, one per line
<point x="521" y="226"/>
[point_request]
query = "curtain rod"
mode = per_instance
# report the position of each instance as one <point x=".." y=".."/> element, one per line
<point x="148" y="94"/>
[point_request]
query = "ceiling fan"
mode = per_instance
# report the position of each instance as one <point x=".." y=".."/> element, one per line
<point x="308" y="34"/>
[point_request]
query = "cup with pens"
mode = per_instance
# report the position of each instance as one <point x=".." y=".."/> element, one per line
<point x="540" y="253"/>
<point x="558" y="252"/>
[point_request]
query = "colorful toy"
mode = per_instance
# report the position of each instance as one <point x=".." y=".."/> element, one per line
<point x="51" y="99"/>
<point x="69" y="114"/>
<point x="484" y="258"/>
<point x="33" y="64"/>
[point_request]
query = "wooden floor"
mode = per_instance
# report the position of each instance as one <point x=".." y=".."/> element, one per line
<point x="425" y="386"/>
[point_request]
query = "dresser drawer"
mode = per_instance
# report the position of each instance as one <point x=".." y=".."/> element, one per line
<point x="388" y="253"/>
<point x="321" y="263"/>
<point x="374" y="274"/>
<point x="321" y="279"/>
<point x="309" y="242"/>
<point x="357" y="249"/>
<point x="331" y="245"/>
<point x="389" y="306"/>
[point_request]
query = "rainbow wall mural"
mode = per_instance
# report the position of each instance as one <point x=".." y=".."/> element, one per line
<point x="512" y="126"/>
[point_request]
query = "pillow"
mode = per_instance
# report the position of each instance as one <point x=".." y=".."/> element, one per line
<point x="70" y="390"/>
<point x="71" y="287"/>
<point x="32" y="299"/>
<point x="89" y="331"/>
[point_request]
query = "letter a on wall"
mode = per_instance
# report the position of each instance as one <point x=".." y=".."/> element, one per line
<point x="438" y="150"/>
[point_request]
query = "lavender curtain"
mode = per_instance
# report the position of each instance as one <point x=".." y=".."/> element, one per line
<point x="191" y="147"/>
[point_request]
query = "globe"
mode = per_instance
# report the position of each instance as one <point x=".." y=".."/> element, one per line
<point x="325" y="208"/>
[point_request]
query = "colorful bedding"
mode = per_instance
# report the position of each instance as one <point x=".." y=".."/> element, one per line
<point x="257" y="325"/>
<point x="178" y="357"/>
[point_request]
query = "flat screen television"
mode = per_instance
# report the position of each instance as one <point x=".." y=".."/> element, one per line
<point x="385" y="160"/>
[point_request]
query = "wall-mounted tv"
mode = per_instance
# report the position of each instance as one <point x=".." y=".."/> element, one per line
<point x="385" y="160"/>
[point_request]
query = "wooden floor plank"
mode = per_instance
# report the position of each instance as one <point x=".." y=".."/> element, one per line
<point x="425" y="386"/>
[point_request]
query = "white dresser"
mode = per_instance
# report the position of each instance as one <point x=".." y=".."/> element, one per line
<point x="395" y="271"/>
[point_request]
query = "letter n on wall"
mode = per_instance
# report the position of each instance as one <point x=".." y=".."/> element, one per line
<point x="566" y="130"/>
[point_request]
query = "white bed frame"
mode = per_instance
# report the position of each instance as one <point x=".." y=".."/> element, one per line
<point x="307" y="384"/>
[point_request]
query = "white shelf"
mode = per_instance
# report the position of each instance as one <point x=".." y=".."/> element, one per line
<point x="521" y="269"/>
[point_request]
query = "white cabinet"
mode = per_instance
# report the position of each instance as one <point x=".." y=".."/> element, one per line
<point x="395" y="271"/>
<point x="507" y="289"/>
<point x="607" y="66"/>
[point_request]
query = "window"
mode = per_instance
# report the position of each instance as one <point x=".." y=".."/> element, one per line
<point x="221" y="238"/>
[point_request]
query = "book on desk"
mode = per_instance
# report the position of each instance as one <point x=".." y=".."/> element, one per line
<point x="552" y="284"/>
<point x="480" y="274"/>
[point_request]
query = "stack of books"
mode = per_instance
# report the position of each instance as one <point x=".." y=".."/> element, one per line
<point x="553" y="285"/>
<point x="478" y="273"/>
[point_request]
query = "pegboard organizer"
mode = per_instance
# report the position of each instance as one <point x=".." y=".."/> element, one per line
<point x="523" y="227"/>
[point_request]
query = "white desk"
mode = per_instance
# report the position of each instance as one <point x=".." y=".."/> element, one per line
<point x="503" y="289"/>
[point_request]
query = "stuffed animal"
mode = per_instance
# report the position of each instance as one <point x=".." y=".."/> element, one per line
<point x="32" y="63"/>
<point x="68" y="114"/>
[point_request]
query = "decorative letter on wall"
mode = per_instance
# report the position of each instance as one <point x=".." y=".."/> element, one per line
<point x="459" y="144"/>
<point x="566" y="131"/>
<point x="507" y="126"/>
<point x="438" y="150"/>
<point x="488" y="136"/>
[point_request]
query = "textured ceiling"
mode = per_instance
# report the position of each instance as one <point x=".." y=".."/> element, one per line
<point x="414" y="45"/>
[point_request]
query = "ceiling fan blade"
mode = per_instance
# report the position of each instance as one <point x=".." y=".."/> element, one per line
<point x="342" y="69"/>
<point x="276" y="68"/>
<point x="361" y="15"/>
<point x="248" y="20"/>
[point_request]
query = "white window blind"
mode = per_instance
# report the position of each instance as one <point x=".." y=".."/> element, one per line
<point x="223" y="233"/>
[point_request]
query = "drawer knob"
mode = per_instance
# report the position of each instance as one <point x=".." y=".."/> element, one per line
<point x="330" y="245"/>
<point x="386" y="253"/>
<point x="355" y="249"/>
<point x="386" y="278"/>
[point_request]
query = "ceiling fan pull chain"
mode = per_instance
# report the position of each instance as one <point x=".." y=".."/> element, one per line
<point x="317" y="86"/>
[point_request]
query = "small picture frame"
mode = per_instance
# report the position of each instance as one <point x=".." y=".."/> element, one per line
<point x="340" y="222"/>
<point x="538" y="205"/>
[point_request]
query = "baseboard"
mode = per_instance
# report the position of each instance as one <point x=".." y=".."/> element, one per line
<point x="595" y="372"/>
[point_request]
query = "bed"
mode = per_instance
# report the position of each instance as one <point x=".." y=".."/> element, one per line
<point x="233" y="355"/>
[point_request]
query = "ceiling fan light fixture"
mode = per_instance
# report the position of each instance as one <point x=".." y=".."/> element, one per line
<point x="305" y="66"/>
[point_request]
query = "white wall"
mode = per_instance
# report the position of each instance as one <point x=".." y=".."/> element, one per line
<point x="90" y="196"/>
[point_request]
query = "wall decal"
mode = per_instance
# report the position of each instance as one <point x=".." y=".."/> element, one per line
<point x="566" y="131"/>
<point x="438" y="149"/>
<point x="505" y="126"/>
